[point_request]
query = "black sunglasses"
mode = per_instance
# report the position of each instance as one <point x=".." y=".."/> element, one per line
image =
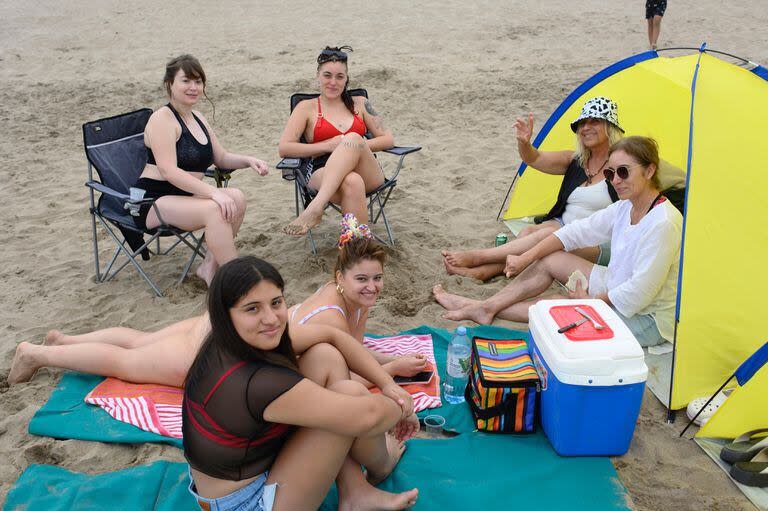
<point x="622" y="171"/>
<point x="333" y="55"/>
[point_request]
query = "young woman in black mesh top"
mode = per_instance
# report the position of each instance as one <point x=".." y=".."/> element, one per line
<point x="263" y="430"/>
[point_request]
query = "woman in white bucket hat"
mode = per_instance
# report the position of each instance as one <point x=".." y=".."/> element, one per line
<point x="583" y="191"/>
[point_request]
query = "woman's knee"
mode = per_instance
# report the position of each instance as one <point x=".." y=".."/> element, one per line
<point x="526" y="231"/>
<point x="353" y="184"/>
<point x="239" y="197"/>
<point x="552" y="262"/>
<point x="353" y="139"/>
<point x="349" y="387"/>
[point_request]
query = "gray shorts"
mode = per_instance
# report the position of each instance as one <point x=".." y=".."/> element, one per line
<point x="605" y="254"/>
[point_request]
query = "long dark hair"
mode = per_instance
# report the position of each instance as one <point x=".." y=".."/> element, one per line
<point x="231" y="282"/>
<point x="338" y="54"/>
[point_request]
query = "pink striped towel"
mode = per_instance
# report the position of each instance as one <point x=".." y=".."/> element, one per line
<point x="424" y="396"/>
<point x="151" y="407"/>
<point x="157" y="408"/>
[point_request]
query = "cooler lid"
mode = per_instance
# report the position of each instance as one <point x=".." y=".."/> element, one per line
<point x="583" y="353"/>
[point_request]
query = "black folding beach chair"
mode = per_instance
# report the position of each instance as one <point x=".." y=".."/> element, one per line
<point x="298" y="169"/>
<point x="114" y="146"/>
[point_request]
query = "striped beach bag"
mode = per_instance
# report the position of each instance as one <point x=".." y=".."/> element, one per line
<point x="503" y="386"/>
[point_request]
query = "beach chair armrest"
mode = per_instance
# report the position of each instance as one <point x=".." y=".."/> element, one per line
<point x="102" y="188"/>
<point x="402" y="151"/>
<point x="289" y="166"/>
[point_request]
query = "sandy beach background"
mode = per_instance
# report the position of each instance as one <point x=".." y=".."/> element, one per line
<point x="447" y="75"/>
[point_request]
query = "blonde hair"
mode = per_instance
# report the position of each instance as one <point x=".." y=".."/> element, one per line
<point x="583" y="153"/>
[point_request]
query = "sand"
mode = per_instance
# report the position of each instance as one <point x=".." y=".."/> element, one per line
<point x="449" y="76"/>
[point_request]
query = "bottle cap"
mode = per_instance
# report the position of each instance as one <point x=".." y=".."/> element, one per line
<point x="462" y="330"/>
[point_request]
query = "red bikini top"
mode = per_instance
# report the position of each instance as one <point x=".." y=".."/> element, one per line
<point x="325" y="129"/>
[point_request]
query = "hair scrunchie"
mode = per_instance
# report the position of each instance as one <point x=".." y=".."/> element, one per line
<point x="352" y="229"/>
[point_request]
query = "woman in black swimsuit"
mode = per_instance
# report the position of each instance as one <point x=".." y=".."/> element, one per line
<point x="264" y="430"/>
<point x="180" y="146"/>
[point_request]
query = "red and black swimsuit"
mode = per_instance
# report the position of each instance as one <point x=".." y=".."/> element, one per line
<point x="225" y="434"/>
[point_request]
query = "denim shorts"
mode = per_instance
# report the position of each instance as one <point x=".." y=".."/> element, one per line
<point x="256" y="496"/>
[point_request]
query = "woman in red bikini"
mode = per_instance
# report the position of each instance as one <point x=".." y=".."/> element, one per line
<point x="334" y="126"/>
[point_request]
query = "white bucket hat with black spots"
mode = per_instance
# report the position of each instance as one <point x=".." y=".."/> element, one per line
<point x="599" y="108"/>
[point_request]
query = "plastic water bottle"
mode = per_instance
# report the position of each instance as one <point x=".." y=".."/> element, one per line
<point x="458" y="366"/>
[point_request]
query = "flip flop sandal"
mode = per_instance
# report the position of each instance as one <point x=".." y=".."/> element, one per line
<point x="697" y="404"/>
<point x="752" y="473"/>
<point x="744" y="447"/>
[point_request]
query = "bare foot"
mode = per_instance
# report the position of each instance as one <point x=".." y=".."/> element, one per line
<point x="466" y="259"/>
<point x="303" y="223"/>
<point x="450" y="301"/>
<point x="474" y="312"/>
<point x="373" y="499"/>
<point x="23" y="367"/>
<point x="52" y="338"/>
<point x="483" y="272"/>
<point x="395" y="450"/>
<point x="207" y="269"/>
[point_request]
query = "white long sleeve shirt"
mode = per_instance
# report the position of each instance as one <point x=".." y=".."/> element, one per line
<point x="642" y="273"/>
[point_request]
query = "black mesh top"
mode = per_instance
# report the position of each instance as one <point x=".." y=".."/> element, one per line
<point x="225" y="434"/>
<point x="191" y="155"/>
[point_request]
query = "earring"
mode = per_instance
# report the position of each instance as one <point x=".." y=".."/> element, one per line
<point x="339" y="289"/>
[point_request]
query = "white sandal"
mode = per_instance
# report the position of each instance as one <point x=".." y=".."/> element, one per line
<point x="697" y="404"/>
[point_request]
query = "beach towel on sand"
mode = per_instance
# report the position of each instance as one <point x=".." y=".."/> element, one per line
<point x="157" y="408"/>
<point x="153" y="408"/>
<point x="424" y="396"/>
<point x="66" y="415"/>
<point x="502" y="472"/>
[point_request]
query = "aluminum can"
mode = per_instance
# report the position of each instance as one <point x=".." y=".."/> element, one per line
<point x="501" y="238"/>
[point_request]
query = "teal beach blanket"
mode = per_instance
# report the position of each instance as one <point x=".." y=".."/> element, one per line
<point x="471" y="471"/>
<point x="458" y="417"/>
<point x="67" y="416"/>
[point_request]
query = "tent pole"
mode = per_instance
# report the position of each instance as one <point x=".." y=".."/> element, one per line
<point x="706" y="404"/>
<point x="670" y="411"/>
<point x="670" y="415"/>
<point x="504" y="202"/>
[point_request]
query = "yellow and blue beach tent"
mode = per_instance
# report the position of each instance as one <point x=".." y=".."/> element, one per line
<point x="710" y="117"/>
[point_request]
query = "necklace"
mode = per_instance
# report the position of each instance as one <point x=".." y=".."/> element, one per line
<point x="590" y="176"/>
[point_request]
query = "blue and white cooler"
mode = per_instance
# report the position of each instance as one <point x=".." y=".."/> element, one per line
<point x="592" y="379"/>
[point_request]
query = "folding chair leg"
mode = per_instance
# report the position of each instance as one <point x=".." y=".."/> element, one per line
<point x="109" y="266"/>
<point x="131" y="260"/>
<point x="386" y="224"/>
<point x="95" y="247"/>
<point x="195" y="252"/>
<point x="312" y="242"/>
<point x="296" y="197"/>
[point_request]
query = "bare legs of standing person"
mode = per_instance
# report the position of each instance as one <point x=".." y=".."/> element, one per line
<point x="654" y="30"/>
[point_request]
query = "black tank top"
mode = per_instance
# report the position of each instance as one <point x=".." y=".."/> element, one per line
<point x="225" y="434"/>
<point x="191" y="155"/>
